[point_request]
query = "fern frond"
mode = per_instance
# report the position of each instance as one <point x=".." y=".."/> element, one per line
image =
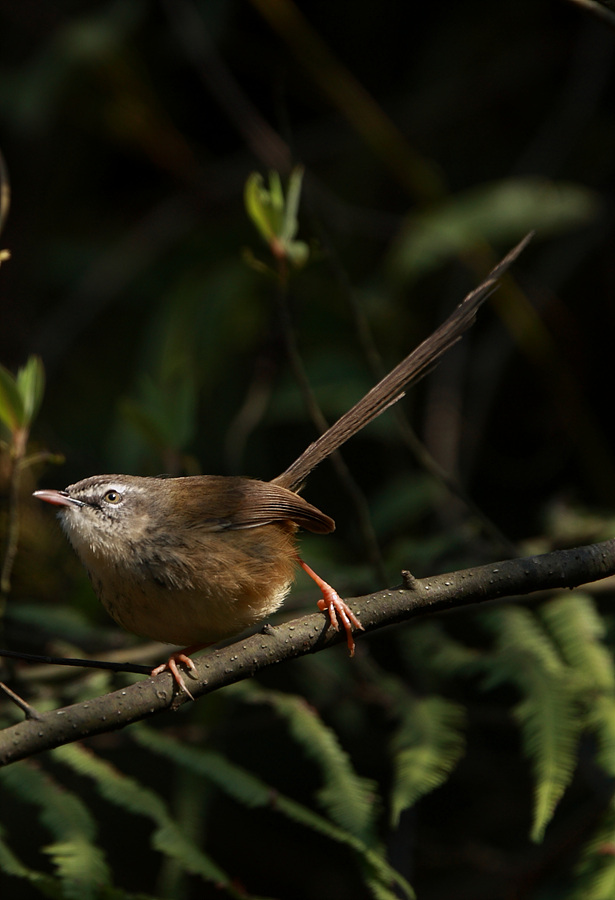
<point x="191" y="807"/>
<point x="81" y="868"/>
<point x="12" y="866"/>
<point x="523" y="647"/>
<point x="551" y="727"/>
<point x="348" y="799"/>
<point x="426" y="748"/>
<point x="50" y="886"/>
<point x="578" y="630"/>
<point x="377" y="889"/>
<point x="252" y="792"/>
<point x="428" y="648"/>
<point x="595" y="872"/>
<point x="132" y="796"/>
<point x="600" y="718"/>
<point x="549" y="712"/>
<point x="79" y="862"/>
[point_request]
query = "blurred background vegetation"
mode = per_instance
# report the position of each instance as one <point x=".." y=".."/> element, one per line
<point x="433" y="137"/>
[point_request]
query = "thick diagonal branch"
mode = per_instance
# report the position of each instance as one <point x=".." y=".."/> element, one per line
<point x="309" y="634"/>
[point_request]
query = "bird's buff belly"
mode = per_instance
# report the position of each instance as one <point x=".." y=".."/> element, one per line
<point x="188" y="616"/>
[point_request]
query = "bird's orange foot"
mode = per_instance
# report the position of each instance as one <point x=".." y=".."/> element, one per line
<point x="171" y="666"/>
<point x="338" y="609"/>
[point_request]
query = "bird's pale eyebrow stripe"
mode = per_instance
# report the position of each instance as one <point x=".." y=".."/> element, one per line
<point x="104" y="487"/>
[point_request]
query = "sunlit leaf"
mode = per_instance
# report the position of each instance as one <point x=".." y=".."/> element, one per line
<point x="290" y="225"/>
<point x="276" y="216"/>
<point x="259" y="207"/>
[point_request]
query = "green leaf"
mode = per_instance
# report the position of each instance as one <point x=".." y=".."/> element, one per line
<point x="298" y="253"/>
<point x="347" y="798"/>
<point x="31" y="387"/>
<point x="497" y="212"/>
<point x="551" y="728"/>
<point x="81" y="867"/>
<point x="63" y="622"/>
<point x="132" y="796"/>
<point x="260" y="206"/>
<point x="10" y="865"/>
<point x="549" y="711"/>
<point x="427" y="746"/>
<point x="12" y="411"/>
<point x="275" y="199"/>
<point x="578" y="630"/>
<point x="595" y="872"/>
<point x="276" y="217"/>
<point x="252" y="792"/>
<point x="79" y="862"/>
<point x="290" y="225"/>
<point x="165" y="412"/>
<point x="429" y="649"/>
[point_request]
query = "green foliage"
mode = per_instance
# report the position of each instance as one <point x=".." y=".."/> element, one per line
<point x="21" y="395"/>
<point x="31" y="387"/>
<point x="438" y="656"/>
<point x="275" y="216"/>
<point x="126" y="275"/>
<point x="132" y="796"/>
<point x="503" y="211"/>
<point x="349" y="800"/>
<point x="80" y="865"/>
<point x="164" y="415"/>
<point x="65" y="623"/>
<point x="556" y="659"/>
<point x="595" y="872"/>
<point x="10" y="865"/>
<point x="244" y="787"/>
<point x="426" y="747"/>
<point x="11" y="403"/>
<point x="20" y="400"/>
<point x="526" y="656"/>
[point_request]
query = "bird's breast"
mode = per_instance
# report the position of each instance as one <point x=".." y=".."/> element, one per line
<point x="208" y="588"/>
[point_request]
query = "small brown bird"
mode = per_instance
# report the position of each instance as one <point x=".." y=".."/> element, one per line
<point x="197" y="559"/>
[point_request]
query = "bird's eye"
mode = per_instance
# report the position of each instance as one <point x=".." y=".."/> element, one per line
<point x="113" y="497"/>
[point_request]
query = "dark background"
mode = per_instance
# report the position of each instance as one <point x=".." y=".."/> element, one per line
<point x="129" y="130"/>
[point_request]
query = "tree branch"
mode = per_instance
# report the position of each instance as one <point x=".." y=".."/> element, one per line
<point x="307" y="634"/>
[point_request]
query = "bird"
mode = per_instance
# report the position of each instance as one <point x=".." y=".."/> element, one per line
<point x="192" y="560"/>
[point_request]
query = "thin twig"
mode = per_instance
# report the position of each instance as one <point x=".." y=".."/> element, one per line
<point x="81" y="663"/>
<point x="597" y="9"/>
<point x="30" y="711"/>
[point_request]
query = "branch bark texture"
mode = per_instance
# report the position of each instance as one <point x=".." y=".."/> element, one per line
<point x="308" y="634"/>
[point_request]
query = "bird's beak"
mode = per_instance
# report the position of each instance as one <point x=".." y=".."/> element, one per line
<point x="58" y="498"/>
